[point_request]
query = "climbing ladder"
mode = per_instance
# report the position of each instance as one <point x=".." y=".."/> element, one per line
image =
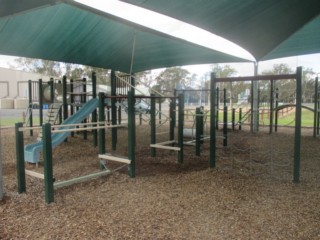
<point x="52" y="116"/>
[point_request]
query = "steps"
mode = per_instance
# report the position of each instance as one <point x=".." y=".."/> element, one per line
<point x="52" y="116"/>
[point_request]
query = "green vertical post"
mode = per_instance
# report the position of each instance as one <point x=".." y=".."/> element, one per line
<point x="84" y="100"/>
<point x="224" y="97"/>
<point x="198" y="130"/>
<point x="21" y="175"/>
<point x="40" y="94"/>
<point x="240" y="118"/>
<point x="225" y="126"/>
<point x="180" y="127"/>
<point x="233" y="118"/>
<point x="94" y="113"/>
<point x="51" y="90"/>
<point x="217" y="108"/>
<point x="214" y="103"/>
<point x="102" y="131"/>
<point x="131" y="133"/>
<point x="316" y="107"/>
<point x="47" y="161"/>
<point x="297" y="133"/>
<point x="71" y="101"/>
<point x="160" y="113"/>
<point x="271" y="105"/>
<point x="276" y="112"/>
<point x="153" y="124"/>
<point x="175" y="108"/>
<point x="30" y="106"/>
<point x="64" y="98"/>
<point x="172" y="114"/>
<point x="114" y="131"/>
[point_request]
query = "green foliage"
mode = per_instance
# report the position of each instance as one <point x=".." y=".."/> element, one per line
<point x="58" y="69"/>
<point x="171" y="77"/>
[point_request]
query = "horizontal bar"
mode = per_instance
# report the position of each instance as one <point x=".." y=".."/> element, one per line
<point x="34" y="174"/>
<point x="114" y="158"/>
<point x="164" y="147"/>
<point x="257" y="78"/>
<point x="84" y="128"/>
<point x="80" y="179"/>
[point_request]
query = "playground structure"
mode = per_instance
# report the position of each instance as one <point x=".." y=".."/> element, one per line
<point x="200" y="115"/>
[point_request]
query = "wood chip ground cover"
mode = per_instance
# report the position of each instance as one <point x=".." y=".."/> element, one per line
<point x="238" y="200"/>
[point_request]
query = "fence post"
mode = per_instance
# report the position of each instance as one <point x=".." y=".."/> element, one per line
<point x="198" y="130"/>
<point x="240" y="118"/>
<point x="153" y="124"/>
<point x="40" y="98"/>
<point x="94" y="113"/>
<point x="21" y="175"/>
<point x="316" y="107"/>
<point x="30" y="106"/>
<point x="47" y="160"/>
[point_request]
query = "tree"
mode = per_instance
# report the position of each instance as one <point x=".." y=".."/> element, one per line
<point x="58" y="69"/>
<point x="173" y="78"/>
<point x="226" y="71"/>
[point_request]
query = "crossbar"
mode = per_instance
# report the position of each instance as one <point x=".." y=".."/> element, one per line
<point x="114" y="158"/>
<point x="164" y="147"/>
<point x="80" y="179"/>
<point x="34" y="174"/>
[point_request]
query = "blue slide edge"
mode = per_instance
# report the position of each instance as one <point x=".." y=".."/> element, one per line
<point x="32" y="151"/>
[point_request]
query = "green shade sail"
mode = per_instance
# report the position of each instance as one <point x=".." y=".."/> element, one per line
<point x="70" y="32"/>
<point x="268" y="29"/>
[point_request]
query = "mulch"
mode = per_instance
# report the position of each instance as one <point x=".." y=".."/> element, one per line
<point x="249" y="195"/>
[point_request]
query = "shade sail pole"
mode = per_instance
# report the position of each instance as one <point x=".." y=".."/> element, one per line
<point x="133" y="51"/>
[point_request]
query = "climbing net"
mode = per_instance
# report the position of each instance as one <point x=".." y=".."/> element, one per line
<point x="259" y="154"/>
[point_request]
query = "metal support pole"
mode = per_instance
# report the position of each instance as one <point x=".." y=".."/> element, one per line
<point x="21" y="175"/>
<point x="180" y="127"/>
<point x="131" y="133"/>
<point x="217" y="108"/>
<point x="276" y="112"/>
<point x="64" y="97"/>
<point x="47" y="161"/>
<point x="102" y="131"/>
<point x="316" y="107"/>
<point x="271" y="105"/>
<point x="94" y="113"/>
<point x="114" y="131"/>
<point x="71" y="101"/>
<point x="51" y="90"/>
<point x="225" y="126"/>
<point x="198" y="130"/>
<point x="240" y="118"/>
<point x="160" y="112"/>
<point x="233" y="118"/>
<point x="30" y="106"/>
<point x="297" y="133"/>
<point x="84" y="100"/>
<point x="172" y="114"/>
<point x="40" y="92"/>
<point x="153" y="124"/>
<point x="213" y="103"/>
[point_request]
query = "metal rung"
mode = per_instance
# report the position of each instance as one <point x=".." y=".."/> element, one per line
<point x="113" y="158"/>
